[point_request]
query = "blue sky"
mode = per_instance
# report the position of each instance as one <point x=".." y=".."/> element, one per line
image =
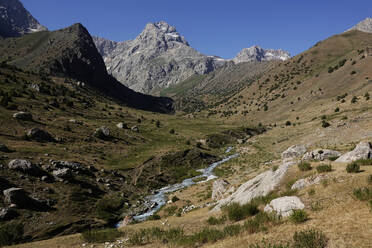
<point x="214" y="27"/>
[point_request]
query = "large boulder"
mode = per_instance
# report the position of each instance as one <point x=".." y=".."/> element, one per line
<point x="25" y="116"/>
<point x="102" y="132"/>
<point x="16" y="196"/>
<point x="122" y="125"/>
<point x="25" y="166"/>
<point x="362" y="151"/>
<point x="221" y="188"/>
<point x="64" y="173"/>
<point x="284" y="206"/>
<point x="320" y="154"/>
<point x="261" y="185"/>
<point x="39" y="135"/>
<point x="294" y="152"/>
<point x="305" y="182"/>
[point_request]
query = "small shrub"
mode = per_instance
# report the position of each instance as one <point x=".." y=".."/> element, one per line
<point x="353" y="167"/>
<point x="363" y="162"/>
<point x="171" y="131"/>
<point x="198" y="144"/>
<point x="237" y="212"/>
<point x="304" y="166"/>
<point x="369" y="179"/>
<point x="352" y="72"/>
<point x="325" y="124"/>
<point x="316" y="206"/>
<point x="175" y="198"/>
<point x="101" y="236"/>
<point x="324" y="168"/>
<point x="363" y="194"/>
<point x="288" y="123"/>
<point x="337" y="109"/>
<point x="311" y="192"/>
<point x="354" y="99"/>
<point x="216" y="221"/>
<point x="232" y="230"/>
<point x="311" y="238"/>
<point x="154" y="217"/>
<point x="298" y="216"/>
<point x="333" y="158"/>
<point x="11" y="234"/>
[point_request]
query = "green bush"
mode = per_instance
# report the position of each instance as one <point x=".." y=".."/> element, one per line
<point x="216" y="221"/>
<point x="333" y="158"/>
<point x="298" y="216"/>
<point x="232" y="230"/>
<point x="353" y="167"/>
<point x="311" y="238"/>
<point x="363" y="194"/>
<point x="154" y="217"/>
<point x="252" y="226"/>
<point x="11" y="234"/>
<point x="170" y="211"/>
<point x="101" y="236"/>
<point x="325" y="124"/>
<point x="237" y="212"/>
<point x="369" y="179"/>
<point x="171" y="131"/>
<point x="324" y="168"/>
<point x="304" y="166"/>
<point x="363" y="162"/>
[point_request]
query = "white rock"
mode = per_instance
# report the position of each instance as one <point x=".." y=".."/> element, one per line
<point x="261" y="185"/>
<point x="220" y="187"/>
<point x="362" y="151"/>
<point x="284" y="206"/>
<point x="320" y="154"/>
<point x="293" y="152"/>
<point x="303" y="183"/>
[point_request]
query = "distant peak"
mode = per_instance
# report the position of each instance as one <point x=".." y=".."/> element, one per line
<point x="259" y="54"/>
<point x="162" y="30"/>
<point x="364" y="26"/>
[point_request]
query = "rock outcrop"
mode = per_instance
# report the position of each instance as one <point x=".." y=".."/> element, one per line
<point x="23" y="116"/>
<point x="294" y="151"/>
<point x="305" y="182"/>
<point x="221" y="188"/>
<point x="39" y="135"/>
<point x="16" y="21"/>
<point x="362" y="151"/>
<point x="284" y="206"/>
<point x="320" y="154"/>
<point x="25" y="166"/>
<point x="261" y="185"/>
<point x="364" y="26"/>
<point x="102" y="132"/>
<point x="258" y="54"/>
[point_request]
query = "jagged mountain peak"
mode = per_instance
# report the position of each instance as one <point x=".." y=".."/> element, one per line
<point x="161" y="31"/>
<point x="364" y="26"/>
<point x="16" y="21"/>
<point x="257" y="54"/>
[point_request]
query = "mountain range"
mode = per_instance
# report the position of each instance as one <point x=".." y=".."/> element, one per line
<point x="163" y="58"/>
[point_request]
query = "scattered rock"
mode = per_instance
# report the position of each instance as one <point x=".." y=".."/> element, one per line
<point x="76" y="122"/>
<point x="122" y="125"/>
<point x="303" y="183"/>
<point x="25" y="166"/>
<point x="7" y="214"/>
<point x="102" y="132"/>
<point x="284" y="206"/>
<point x="294" y="151"/>
<point x="261" y="185"/>
<point x="320" y="154"/>
<point x="362" y="151"/>
<point x="64" y="173"/>
<point x="220" y="189"/>
<point x="39" y="135"/>
<point x="25" y="116"/>
<point x="135" y="129"/>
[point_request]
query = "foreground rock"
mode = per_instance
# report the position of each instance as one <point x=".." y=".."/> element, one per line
<point x="306" y="182"/>
<point x="362" y="151"/>
<point x="102" y="132"/>
<point x="122" y="125"/>
<point x="320" y="154"/>
<point x="39" y="135"/>
<point x="221" y="188"/>
<point x="294" y="152"/>
<point x="284" y="206"/>
<point x="62" y="173"/>
<point x="7" y="214"/>
<point x="261" y="185"/>
<point x="25" y="116"/>
<point x="19" y="198"/>
<point x="25" y="166"/>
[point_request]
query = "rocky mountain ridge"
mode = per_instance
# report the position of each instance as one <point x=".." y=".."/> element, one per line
<point x="258" y="54"/>
<point x="160" y="57"/>
<point x="16" y="21"/>
<point x="364" y="26"/>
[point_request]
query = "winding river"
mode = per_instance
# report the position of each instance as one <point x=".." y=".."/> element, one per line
<point x="156" y="201"/>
